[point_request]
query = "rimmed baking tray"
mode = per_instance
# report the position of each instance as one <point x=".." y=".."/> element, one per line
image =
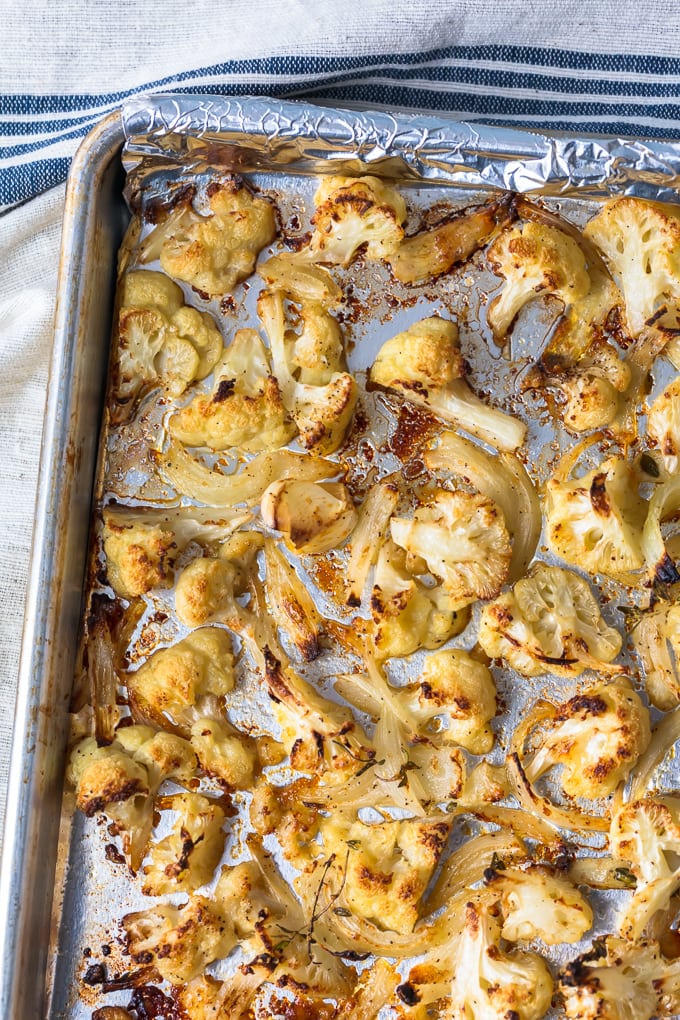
<point x="95" y="217"/>
<point x="34" y="894"/>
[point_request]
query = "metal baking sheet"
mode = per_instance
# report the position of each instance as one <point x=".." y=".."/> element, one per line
<point x="50" y="866"/>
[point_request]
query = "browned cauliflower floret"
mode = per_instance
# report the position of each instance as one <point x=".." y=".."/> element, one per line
<point x="597" y="737"/>
<point x="536" y="260"/>
<point x="208" y="588"/>
<point x="320" y="397"/>
<point x="313" y="517"/>
<point x="549" y="623"/>
<point x="352" y="212"/>
<point x="538" y="903"/>
<point x="406" y="614"/>
<point x="161" y="340"/>
<point x="180" y="942"/>
<point x="187" y="857"/>
<point x="215" y="252"/>
<point x="463" y="539"/>
<point x="594" y="388"/>
<point x="224" y="753"/>
<point x="620" y="981"/>
<point x="245" y="409"/>
<point x="472" y="976"/>
<point x="388" y="867"/>
<point x="122" y="779"/>
<point x="595" y="522"/>
<point x="460" y="694"/>
<point x="641" y="243"/>
<point x="435" y="250"/>
<point x="656" y="637"/>
<point x="646" y="834"/>
<point x="425" y="365"/>
<point x="663" y="425"/>
<point x="169" y="686"/>
<point x="139" y="555"/>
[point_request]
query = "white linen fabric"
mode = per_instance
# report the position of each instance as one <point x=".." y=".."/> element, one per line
<point x="607" y="66"/>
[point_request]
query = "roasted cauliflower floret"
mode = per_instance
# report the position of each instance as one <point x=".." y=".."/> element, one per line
<point x="167" y="689"/>
<point x="387" y="868"/>
<point x="663" y="425"/>
<point x="312" y="517"/>
<point x="161" y="340"/>
<point x="595" y="522"/>
<point x="538" y="903"/>
<point x="458" y="693"/>
<point x="224" y="753"/>
<point x="352" y="212"/>
<point x="319" y="396"/>
<point x="187" y="857"/>
<point x="646" y="834"/>
<point x="549" y="623"/>
<point x="641" y="243"/>
<point x="180" y="942"/>
<point x="597" y="736"/>
<point x="424" y="364"/>
<point x="122" y="778"/>
<point x="207" y="589"/>
<point x="476" y="978"/>
<point x="437" y="249"/>
<point x="140" y="555"/>
<point x="594" y="389"/>
<point x="536" y="260"/>
<point x="656" y="636"/>
<point x="463" y="539"/>
<point x="406" y="614"/>
<point x="245" y="409"/>
<point x="620" y="981"/>
<point x="215" y="252"/>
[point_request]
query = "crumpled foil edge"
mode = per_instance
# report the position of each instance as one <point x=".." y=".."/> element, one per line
<point x="195" y="133"/>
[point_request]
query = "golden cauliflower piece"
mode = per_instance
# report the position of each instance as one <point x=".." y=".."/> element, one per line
<point x="595" y="522"/>
<point x="424" y="364"/>
<point x="538" y="903"/>
<point x="594" y="388"/>
<point x="406" y="614"/>
<point x="140" y="555"/>
<point x="245" y="410"/>
<point x="122" y="779"/>
<point x="621" y="981"/>
<point x="463" y="539"/>
<point x="319" y="396"/>
<point x="597" y="737"/>
<point x="313" y="517"/>
<point x="161" y="340"/>
<point x="656" y="637"/>
<point x="215" y="252"/>
<point x="641" y="243"/>
<point x="388" y="867"/>
<point x="549" y="623"/>
<point x="172" y="682"/>
<point x="187" y="857"/>
<point x="536" y="260"/>
<point x="352" y="212"/>
<point x="473" y="977"/>
<point x="460" y="693"/>
<point x="663" y="425"/>
<point x="646" y="834"/>
<point x="208" y="587"/>
<point x="224" y="753"/>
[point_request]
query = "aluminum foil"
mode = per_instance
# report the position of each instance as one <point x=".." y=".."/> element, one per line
<point x="253" y="133"/>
